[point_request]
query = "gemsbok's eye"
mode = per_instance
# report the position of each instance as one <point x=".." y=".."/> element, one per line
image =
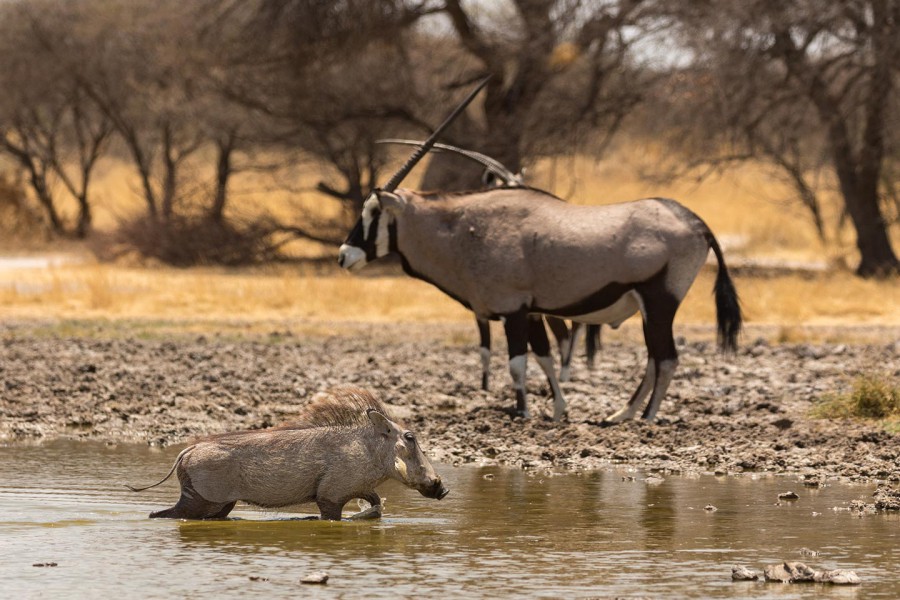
<point x="409" y="437"/>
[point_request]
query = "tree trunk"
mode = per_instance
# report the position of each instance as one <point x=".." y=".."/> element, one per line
<point x="38" y="179"/>
<point x="223" y="173"/>
<point x="170" y="181"/>
<point x="877" y="257"/>
<point x="85" y="218"/>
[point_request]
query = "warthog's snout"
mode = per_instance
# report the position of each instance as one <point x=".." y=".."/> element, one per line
<point x="436" y="490"/>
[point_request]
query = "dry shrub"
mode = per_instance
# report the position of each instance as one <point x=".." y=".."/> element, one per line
<point x="18" y="220"/>
<point x="872" y="397"/>
<point x="189" y="241"/>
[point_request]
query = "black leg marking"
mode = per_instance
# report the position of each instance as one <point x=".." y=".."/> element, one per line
<point x="516" y="328"/>
<point x="592" y="344"/>
<point x="484" y="334"/>
<point x="659" y="314"/>
<point x="537" y="336"/>
<point x="563" y="336"/>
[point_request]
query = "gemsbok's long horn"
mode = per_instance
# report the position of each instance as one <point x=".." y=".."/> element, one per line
<point x="491" y="164"/>
<point x="416" y="156"/>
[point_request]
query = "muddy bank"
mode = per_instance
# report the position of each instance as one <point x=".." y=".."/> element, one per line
<point x="747" y="412"/>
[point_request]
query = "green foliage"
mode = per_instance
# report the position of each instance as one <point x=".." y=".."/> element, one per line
<point x="873" y="396"/>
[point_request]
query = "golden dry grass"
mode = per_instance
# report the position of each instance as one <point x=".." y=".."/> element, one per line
<point x="746" y="209"/>
<point x="291" y="294"/>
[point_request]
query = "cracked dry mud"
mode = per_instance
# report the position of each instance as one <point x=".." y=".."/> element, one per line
<point x="722" y="414"/>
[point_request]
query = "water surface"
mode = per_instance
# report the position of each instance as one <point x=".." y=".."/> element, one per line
<point x="500" y="533"/>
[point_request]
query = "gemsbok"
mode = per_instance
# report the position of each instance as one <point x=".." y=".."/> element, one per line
<point x="507" y="253"/>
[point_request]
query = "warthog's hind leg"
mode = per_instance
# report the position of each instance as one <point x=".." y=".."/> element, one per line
<point x="194" y="508"/>
<point x="192" y="505"/>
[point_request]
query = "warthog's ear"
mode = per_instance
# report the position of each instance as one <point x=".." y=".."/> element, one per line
<point x="380" y="422"/>
<point x="391" y="203"/>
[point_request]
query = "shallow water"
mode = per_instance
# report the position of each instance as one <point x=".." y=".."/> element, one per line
<point x="512" y="533"/>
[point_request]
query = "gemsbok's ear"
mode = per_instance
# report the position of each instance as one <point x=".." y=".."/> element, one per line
<point x="380" y="422"/>
<point x="390" y="202"/>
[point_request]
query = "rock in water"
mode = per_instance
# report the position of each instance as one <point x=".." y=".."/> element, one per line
<point x="777" y="573"/>
<point x="742" y="573"/>
<point x="838" y="577"/>
<point x="788" y="496"/>
<point x="797" y="572"/>
<point x="886" y="498"/>
<point x="789" y="572"/>
<point x="317" y="578"/>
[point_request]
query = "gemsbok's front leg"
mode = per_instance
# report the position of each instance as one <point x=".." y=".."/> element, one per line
<point x="515" y="326"/>
<point x="484" y="335"/>
<point x="540" y="345"/>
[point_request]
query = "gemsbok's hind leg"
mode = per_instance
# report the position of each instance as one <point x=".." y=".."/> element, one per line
<point x="540" y="345"/>
<point x="659" y="314"/>
<point x="565" y="371"/>
<point x="637" y="398"/>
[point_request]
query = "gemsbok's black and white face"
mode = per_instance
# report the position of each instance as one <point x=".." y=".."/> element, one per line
<point x="370" y="238"/>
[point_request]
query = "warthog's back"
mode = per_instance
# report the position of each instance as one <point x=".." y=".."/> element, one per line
<point x="275" y="467"/>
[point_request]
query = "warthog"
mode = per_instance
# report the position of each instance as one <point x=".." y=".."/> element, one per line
<point x="340" y="447"/>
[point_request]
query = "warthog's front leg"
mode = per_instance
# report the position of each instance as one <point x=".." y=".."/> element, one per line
<point x="374" y="510"/>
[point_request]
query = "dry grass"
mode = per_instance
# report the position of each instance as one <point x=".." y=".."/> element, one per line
<point x="873" y="396"/>
<point x="290" y="293"/>
<point x="744" y="208"/>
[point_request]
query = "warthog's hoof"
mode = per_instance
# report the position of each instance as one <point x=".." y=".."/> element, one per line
<point x="373" y="512"/>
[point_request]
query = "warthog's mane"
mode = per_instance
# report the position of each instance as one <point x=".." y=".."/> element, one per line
<point x="342" y="407"/>
<point x="339" y="407"/>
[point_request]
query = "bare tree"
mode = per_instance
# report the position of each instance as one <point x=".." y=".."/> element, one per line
<point x="557" y="72"/>
<point x="791" y="78"/>
<point x="46" y="123"/>
<point x="330" y="78"/>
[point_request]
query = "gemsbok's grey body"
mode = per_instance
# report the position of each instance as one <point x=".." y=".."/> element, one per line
<point x="509" y="253"/>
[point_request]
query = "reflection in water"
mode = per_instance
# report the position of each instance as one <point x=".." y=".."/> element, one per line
<point x="499" y="533"/>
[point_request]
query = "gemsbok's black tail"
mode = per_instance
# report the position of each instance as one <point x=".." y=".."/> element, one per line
<point x="728" y="306"/>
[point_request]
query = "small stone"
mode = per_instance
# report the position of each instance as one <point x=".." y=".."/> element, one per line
<point x="789" y="572"/>
<point x="317" y="578"/>
<point x="776" y="573"/>
<point x="258" y="578"/>
<point x="808" y="552"/>
<point x="488" y="476"/>
<point x="654" y="480"/>
<point x="710" y="508"/>
<point x="44" y="564"/>
<point x="788" y="496"/>
<point x="742" y="573"/>
<point x="838" y="577"/>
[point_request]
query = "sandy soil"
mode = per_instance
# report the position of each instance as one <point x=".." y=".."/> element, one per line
<point x="725" y="415"/>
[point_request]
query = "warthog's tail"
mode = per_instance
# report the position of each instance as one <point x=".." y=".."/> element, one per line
<point x="161" y="481"/>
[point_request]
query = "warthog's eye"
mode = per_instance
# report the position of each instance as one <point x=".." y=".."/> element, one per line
<point x="409" y="437"/>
